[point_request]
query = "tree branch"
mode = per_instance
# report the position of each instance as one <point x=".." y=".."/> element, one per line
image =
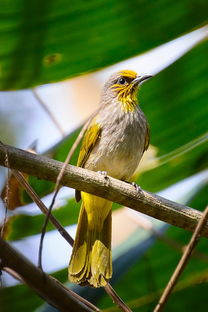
<point x="46" y="286"/>
<point x="95" y="183"/>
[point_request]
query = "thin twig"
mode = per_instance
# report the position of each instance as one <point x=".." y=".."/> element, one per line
<point x="1" y="280"/>
<point x="139" y="303"/>
<point x="178" y="246"/>
<point x="183" y="261"/>
<point x="69" y="156"/>
<point x="14" y="274"/>
<point x="83" y="300"/>
<point x="148" y="226"/>
<point x="6" y="198"/>
<point x="38" y="98"/>
<point x="116" y="299"/>
<point x="58" y="183"/>
<point x="23" y="182"/>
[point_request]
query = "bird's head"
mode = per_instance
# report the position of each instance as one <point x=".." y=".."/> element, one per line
<point x="123" y="86"/>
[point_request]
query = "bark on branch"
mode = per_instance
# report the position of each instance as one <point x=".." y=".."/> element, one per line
<point x="109" y="188"/>
<point x="46" y="286"/>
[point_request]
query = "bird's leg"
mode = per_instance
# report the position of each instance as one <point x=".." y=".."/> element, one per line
<point x="104" y="173"/>
<point x="136" y="186"/>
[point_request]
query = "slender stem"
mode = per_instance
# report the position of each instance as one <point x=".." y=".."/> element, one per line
<point x="21" y="179"/>
<point x="183" y="261"/>
<point x="167" y="240"/>
<point x="13" y="274"/>
<point x="68" y="158"/>
<point x="38" y="98"/>
<point x="116" y="299"/>
<point x="57" y="186"/>
<point x="5" y="198"/>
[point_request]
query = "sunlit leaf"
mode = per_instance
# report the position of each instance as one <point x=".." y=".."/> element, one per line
<point x="200" y="200"/>
<point x="46" y="41"/>
<point x="24" y="225"/>
<point x="175" y="102"/>
<point x="19" y="298"/>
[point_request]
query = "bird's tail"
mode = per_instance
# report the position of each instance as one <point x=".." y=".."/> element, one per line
<point x="91" y="260"/>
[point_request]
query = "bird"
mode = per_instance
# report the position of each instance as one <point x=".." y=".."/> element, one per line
<point x="113" y="144"/>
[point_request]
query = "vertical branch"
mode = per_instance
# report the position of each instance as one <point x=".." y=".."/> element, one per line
<point x="183" y="261"/>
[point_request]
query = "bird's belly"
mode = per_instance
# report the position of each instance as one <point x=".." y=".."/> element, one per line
<point x="120" y="168"/>
<point x="118" y="158"/>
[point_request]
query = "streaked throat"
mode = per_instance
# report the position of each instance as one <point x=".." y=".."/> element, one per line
<point x="128" y="100"/>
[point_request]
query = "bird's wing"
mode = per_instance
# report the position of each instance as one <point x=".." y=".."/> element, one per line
<point x="91" y="138"/>
<point x="147" y="139"/>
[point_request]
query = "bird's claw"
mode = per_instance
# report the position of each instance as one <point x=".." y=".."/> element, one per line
<point x="104" y="173"/>
<point x="136" y="186"/>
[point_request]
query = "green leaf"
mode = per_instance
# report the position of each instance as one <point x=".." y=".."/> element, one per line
<point x="31" y="300"/>
<point x="18" y="298"/>
<point x="61" y="150"/>
<point x="47" y="41"/>
<point x="58" y="152"/>
<point x="66" y="215"/>
<point x="23" y="225"/>
<point x="175" y="103"/>
<point x="199" y="201"/>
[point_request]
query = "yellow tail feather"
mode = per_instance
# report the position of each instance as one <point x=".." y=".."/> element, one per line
<point x="91" y="261"/>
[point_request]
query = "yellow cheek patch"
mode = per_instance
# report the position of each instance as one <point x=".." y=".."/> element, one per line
<point x="126" y="94"/>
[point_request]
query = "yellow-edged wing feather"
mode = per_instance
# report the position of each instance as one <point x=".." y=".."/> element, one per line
<point x="147" y="139"/>
<point x="90" y="139"/>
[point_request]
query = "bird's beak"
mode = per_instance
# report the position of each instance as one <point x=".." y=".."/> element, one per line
<point x="140" y="79"/>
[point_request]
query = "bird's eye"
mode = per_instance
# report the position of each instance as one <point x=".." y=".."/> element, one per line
<point x="121" y="81"/>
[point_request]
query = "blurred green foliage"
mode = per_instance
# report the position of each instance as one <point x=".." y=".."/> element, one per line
<point x="45" y="41"/>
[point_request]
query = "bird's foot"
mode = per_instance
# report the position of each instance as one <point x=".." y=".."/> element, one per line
<point x="136" y="186"/>
<point x="104" y="174"/>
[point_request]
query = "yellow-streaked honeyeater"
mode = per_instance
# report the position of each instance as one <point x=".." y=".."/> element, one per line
<point x="114" y="142"/>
